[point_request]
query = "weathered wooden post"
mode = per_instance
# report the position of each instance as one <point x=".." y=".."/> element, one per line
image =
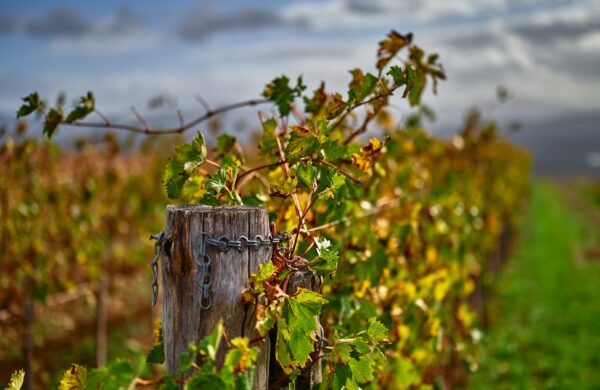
<point x="189" y="316"/>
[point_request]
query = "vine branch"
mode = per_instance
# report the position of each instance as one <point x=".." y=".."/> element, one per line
<point x="148" y="130"/>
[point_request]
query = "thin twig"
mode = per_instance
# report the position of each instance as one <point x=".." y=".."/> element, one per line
<point x="338" y="169"/>
<point x="180" y="116"/>
<point x="213" y="163"/>
<point x="139" y="118"/>
<point x="204" y="103"/>
<point x="104" y="117"/>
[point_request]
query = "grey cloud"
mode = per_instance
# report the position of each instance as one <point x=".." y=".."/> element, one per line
<point x="69" y="23"/>
<point x="201" y="23"/>
<point x="553" y="44"/>
<point x="543" y="34"/>
<point x="475" y="40"/>
<point x="364" y="7"/>
<point x="8" y="25"/>
<point x="59" y="23"/>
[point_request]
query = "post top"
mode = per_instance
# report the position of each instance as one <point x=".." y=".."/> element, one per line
<point x="206" y="208"/>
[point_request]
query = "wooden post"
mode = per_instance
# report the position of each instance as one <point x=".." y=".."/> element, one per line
<point x="184" y="321"/>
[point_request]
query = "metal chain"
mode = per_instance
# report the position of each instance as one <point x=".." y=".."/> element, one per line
<point x="223" y="243"/>
<point x="154" y="264"/>
<point x="203" y="261"/>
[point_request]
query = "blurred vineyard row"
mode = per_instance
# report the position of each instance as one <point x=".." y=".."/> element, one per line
<point x="74" y="232"/>
<point x="425" y="237"/>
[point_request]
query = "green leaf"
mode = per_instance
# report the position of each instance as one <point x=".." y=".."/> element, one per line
<point x="319" y="98"/>
<point x="16" y="380"/>
<point x="410" y="77"/>
<point x="326" y="262"/>
<point x="183" y="164"/>
<point x="303" y="142"/>
<point x="341" y="376"/>
<point x="296" y="327"/>
<point x="306" y="174"/>
<point x="209" y="345"/>
<point x="206" y="381"/>
<point x="53" y="119"/>
<point x="280" y="92"/>
<point x="225" y="144"/>
<point x="341" y="351"/>
<point x="397" y="75"/>
<point x="266" y="321"/>
<point x="268" y="142"/>
<point x="361" y="346"/>
<point x="334" y="150"/>
<point x="85" y="106"/>
<point x="156" y="354"/>
<point x="265" y="271"/>
<point x="377" y="331"/>
<point x="362" y="371"/>
<point x="117" y="375"/>
<point x="32" y="102"/>
<point x="414" y="96"/>
<point x="351" y="384"/>
<point x="221" y="185"/>
<point x="334" y="106"/>
<point x="361" y="85"/>
<point x="75" y="378"/>
<point x="337" y="181"/>
<point x="217" y="182"/>
<point x="245" y="380"/>
<point x="240" y="356"/>
<point x="286" y="189"/>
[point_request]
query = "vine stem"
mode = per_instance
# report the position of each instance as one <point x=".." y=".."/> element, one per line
<point x="146" y="129"/>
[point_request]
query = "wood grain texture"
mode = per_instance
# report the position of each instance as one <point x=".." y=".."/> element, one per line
<point x="183" y="319"/>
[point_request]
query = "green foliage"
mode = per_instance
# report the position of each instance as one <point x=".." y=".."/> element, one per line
<point x="53" y="119"/>
<point x="16" y="380"/>
<point x="282" y="94"/>
<point x="237" y="371"/>
<point x="32" y="103"/>
<point x="75" y="378"/>
<point x="268" y="142"/>
<point x="353" y="360"/>
<point x="157" y="353"/>
<point x="326" y="262"/>
<point x="184" y="162"/>
<point x="85" y="106"/>
<point x="295" y="329"/>
<point x="117" y="375"/>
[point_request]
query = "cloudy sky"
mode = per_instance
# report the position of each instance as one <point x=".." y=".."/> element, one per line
<point x="547" y="52"/>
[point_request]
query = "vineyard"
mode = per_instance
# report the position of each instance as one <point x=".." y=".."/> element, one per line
<point x="406" y="232"/>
